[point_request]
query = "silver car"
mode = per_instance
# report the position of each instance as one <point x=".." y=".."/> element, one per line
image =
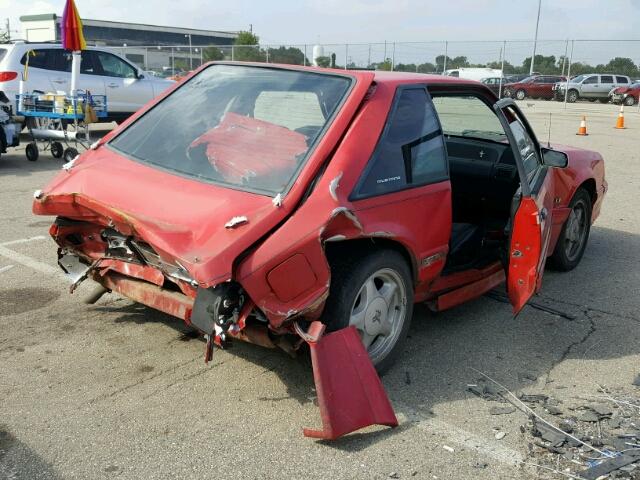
<point x="590" y="86"/>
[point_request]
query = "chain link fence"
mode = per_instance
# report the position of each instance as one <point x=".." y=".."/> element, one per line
<point x="560" y="57"/>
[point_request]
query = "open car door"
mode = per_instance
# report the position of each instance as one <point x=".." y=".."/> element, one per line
<point x="531" y="208"/>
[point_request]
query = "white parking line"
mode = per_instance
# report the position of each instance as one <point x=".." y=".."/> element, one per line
<point x="6" y="269"/>
<point x="23" y="240"/>
<point x="32" y="263"/>
<point x="470" y="441"/>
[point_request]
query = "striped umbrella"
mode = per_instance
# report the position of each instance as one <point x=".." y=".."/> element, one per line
<point x="73" y="40"/>
<point x="72" y="36"/>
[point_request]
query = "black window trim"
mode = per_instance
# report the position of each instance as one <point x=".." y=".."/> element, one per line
<point x="356" y="193"/>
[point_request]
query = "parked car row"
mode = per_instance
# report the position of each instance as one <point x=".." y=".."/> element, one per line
<point x="618" y="89"/>
<point x="101" y="72"/>
<point x="523" y="86"/>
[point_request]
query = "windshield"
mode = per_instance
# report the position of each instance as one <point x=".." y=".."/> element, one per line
<point x="249" y="128"/>
<point x="579" y="78"/>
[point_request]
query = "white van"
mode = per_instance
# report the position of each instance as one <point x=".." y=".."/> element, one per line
<point x="474" y="73"/>
<point x="101" y="72"/>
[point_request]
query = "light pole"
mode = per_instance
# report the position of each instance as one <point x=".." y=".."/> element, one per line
<point x="535" y="39"/>
<point x="190" y="52"/>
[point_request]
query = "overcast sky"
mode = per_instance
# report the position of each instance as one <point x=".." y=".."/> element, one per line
<point x="355" y="21"/>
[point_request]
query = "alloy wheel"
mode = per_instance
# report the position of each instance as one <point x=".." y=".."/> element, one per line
<point x="379" y="312"/>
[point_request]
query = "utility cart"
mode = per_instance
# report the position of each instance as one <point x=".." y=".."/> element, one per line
<point x="49" y="118"/>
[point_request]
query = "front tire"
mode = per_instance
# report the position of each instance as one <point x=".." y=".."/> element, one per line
<point x="520" y="95"/>
<point x="629" y="101"/>
<point x="572" y="96"/>
<point x="575" y="233"/>
<point x="373" y="292"/>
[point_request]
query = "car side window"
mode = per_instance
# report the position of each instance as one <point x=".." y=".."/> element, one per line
<point x="606" y="79"/>
<point x="622" y="80"/>
<point x="591" y="80"/>
<point x="113" y="66"/>
<point x="411" y="149"/>
<point x="89" y="64"/>
<point x="40" y="58"/>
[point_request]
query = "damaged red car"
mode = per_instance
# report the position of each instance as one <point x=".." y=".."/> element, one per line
<point x="269" y="203"/>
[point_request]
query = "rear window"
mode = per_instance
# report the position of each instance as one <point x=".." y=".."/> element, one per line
<point x="618" y="79"/>
<point x="248" y="128"/>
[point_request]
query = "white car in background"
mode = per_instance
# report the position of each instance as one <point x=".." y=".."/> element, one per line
<point x="102" y="72"/>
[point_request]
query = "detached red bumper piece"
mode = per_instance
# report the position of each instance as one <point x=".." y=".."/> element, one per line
<point x="350" y="393"/>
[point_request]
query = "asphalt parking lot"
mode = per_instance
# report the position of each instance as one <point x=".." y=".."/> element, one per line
<point x="117" y="390"/>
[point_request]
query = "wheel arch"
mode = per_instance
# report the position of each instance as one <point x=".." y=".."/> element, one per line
<point x="590" y="186"/>
<point x="361" y="246"/>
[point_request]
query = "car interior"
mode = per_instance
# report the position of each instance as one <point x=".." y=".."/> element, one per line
<point x="484" y="180"/>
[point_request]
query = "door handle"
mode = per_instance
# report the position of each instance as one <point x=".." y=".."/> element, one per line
<point x="113" y="85"/>
<point x="59" y="81"/>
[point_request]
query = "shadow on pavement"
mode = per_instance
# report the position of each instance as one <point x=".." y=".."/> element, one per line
<point x="441" y="349"/>
<point x="19" y="462"/>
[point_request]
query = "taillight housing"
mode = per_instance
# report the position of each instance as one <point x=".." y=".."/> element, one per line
<point x="8" y="76"/>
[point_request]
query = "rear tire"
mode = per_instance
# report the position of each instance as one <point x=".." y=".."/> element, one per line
<point x="520" y="95"/>
<point x="574" y="236"/>
<point x="374" y="292"/>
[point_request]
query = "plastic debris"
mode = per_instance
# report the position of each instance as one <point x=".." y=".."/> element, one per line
<point x="610" y="465"/>
<point x="448" y="448"/>
<point x="500" y="435"/>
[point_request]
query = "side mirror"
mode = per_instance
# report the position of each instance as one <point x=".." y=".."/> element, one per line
<point x="554" y="158"/>
<point x="140" y="76"/>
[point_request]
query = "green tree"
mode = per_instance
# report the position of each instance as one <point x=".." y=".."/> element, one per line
<point x="323" y="61"/>
<point x="440" y="63"/>
<point x="289" y="55"/>
<point x="543" y="64"/>
<point x="408" y="67"/>
<point x="427" y="67"/>
<point x="247" y="48"/>
<point x="384" y="66"/>
<point x="621" y="65"/>
<point x="458" y="62"/>
<point x="211" y="54"/>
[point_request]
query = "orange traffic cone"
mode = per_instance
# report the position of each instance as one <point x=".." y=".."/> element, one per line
<point x="583" y="127"/>
<point x="620" y="122"/>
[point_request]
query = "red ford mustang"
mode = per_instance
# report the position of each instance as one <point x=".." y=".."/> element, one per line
<point x="268" y="203"/>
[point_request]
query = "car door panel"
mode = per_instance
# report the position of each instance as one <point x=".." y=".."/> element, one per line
<point x="125" y="92"/>
<point x="530" y="221"/>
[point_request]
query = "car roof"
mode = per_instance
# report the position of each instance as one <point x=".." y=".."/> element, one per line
<point x="379" y="76"/>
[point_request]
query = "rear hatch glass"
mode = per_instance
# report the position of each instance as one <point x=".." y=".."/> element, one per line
<point x="248" y="128"/>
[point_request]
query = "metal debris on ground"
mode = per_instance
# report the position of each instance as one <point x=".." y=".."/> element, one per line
<point x="448" y="448"/>
<point x="597" y="439"/>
